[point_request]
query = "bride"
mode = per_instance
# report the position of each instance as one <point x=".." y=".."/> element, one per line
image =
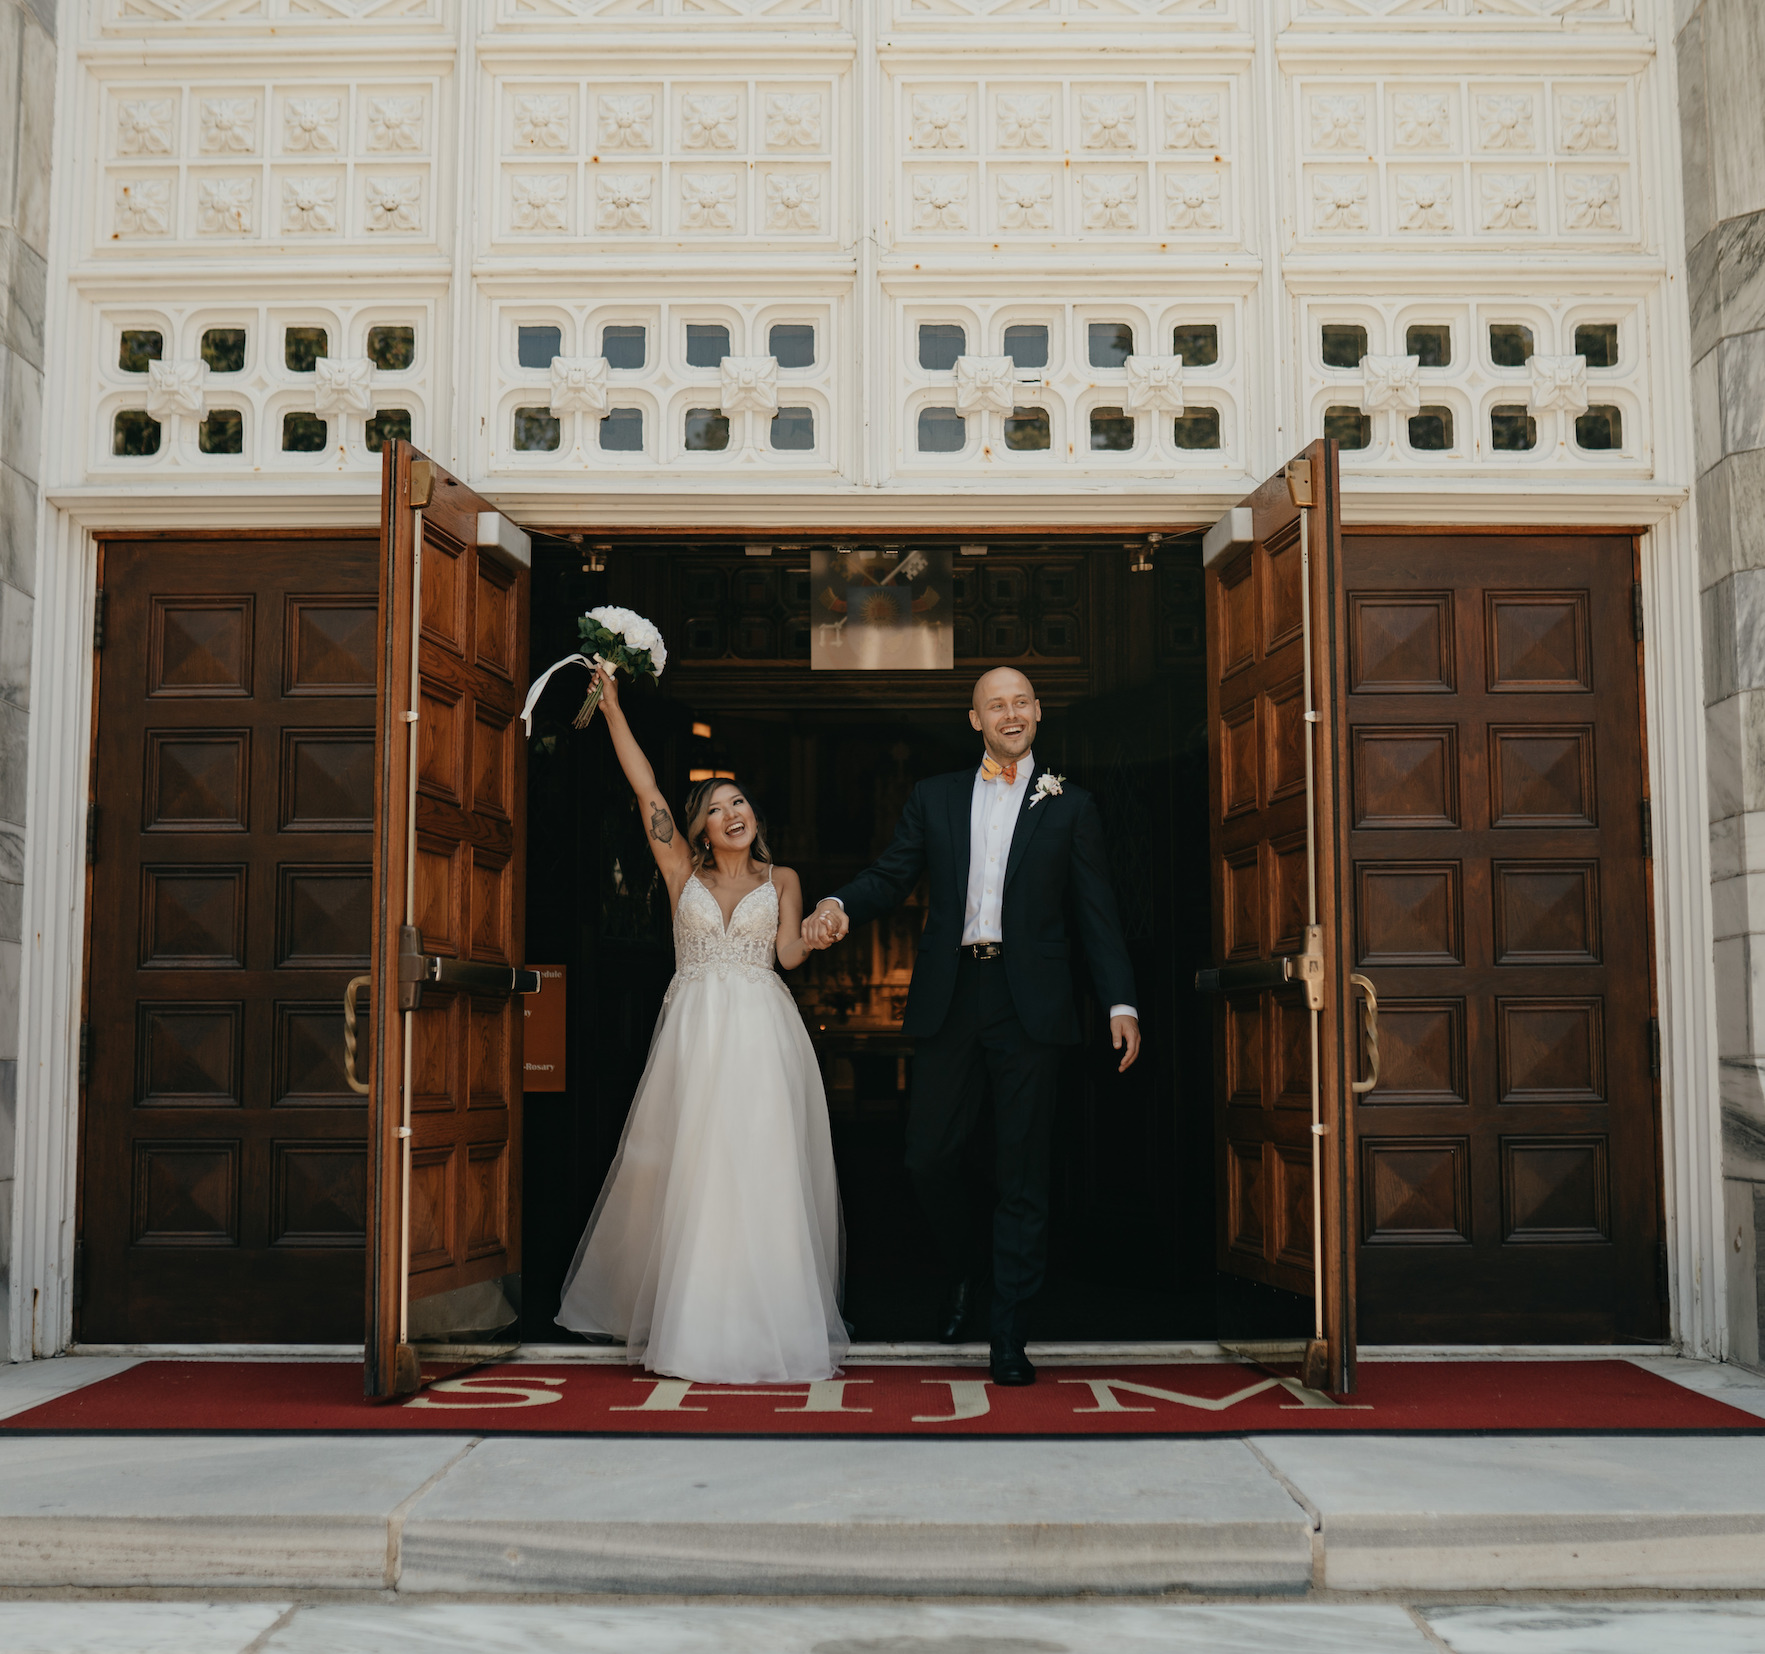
<point x="716" y="1249"/>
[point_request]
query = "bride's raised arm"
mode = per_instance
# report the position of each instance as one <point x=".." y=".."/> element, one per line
<point x="667" y="842"/>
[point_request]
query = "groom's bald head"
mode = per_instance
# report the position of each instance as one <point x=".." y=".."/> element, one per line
<point x="1006" y="712"/>
<point x="1001" y="680"/>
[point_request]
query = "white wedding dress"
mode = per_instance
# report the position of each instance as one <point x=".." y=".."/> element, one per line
<point x="716" y="1249"/>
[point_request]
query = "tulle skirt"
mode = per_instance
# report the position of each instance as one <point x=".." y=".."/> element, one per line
<point x="717" y="1248"/>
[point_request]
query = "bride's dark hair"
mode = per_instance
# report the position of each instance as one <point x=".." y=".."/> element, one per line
<point x="698" y="812"/>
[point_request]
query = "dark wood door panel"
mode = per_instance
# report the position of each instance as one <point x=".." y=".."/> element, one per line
<point x="1508" y="1156"/>
<point x="224" y="1174"/>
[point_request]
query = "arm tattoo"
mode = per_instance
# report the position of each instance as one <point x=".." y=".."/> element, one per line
<point x="661" y="824"/>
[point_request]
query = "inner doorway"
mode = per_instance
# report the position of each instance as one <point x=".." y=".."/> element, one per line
<point x="1117" y="659"/>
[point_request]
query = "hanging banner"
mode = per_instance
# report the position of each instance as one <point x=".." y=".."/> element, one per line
<point x="881" y="609"/>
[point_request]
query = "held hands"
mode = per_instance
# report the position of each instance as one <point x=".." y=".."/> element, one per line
<point x="826" y="925"/>
<point x="1125" y="1031"/>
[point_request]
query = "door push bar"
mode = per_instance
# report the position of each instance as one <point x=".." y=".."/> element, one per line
<point x="1283" y="971"/>
<point x="416" y="967"/>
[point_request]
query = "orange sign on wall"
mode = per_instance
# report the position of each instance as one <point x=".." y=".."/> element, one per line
<point x="543" y="1025"/>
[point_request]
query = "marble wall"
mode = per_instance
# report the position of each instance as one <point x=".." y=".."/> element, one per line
<point x="1721" y="61"/>
<point x="27" y="101"/>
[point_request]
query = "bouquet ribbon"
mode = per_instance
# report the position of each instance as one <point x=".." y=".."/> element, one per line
<point x="544" y="677"/>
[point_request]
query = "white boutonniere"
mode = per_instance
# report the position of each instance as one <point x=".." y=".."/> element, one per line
<point x="1048" y="785"/>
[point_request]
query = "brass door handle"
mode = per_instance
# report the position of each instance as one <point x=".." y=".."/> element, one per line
<point x="1372" y="1016"/>
<point x="356" y="983"/>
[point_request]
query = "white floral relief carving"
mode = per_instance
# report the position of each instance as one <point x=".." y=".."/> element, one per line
<point x="579" y="384"/>
<point x="708" y="121"/>
<point x="1025" y="200"/>
<point x="985" y="384"/>
<point x="1510" y="201"/>
<point x="1557" y="382"/>
<point x="793" y="201"/>
<point x="1192" y="201"/>
<point x="707" y="201"/>
<point x="622" y="201"/>
<point x="144" y="127"/>
<point x="143" y="206"/>
<point x="1423" y="120"/>
<point x="394" y="203"/>
<point x="1505" y="121"/>
<point x="177" y="388"/>
<point x="1390" y="382"/>
<point x="1587" y="123"/>
<point x="539" y="201"/>
<point x="311" y="124"/>
<point x="793" y="120"/>
<point x="1112" y="201"/>
<point x="229" y="126"/>
<point x="628" y="122"/>
<point x="940" y="120"/>
<point x="1424" y="202"/>
<point x="940" y="201"/>
<point x="1109" y="120"/>
<point x="395" y="124"/>
<point x="750" y="384"/>
<point x="1192" y="120"/>
<point x="1338" y="201"/>
<point x="1026" y="120"/>
<point x="1339" y="122"/>
<point x="1155" y="385"/>
<point x="309" y="205"/>
<point x="223" y="205"/>
<point x="1592" y="201"/>
<point x="542" y="121"/>
<point x="343" y="385"/>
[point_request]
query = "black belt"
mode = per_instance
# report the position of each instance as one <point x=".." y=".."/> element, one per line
<point x="984" y="950"/>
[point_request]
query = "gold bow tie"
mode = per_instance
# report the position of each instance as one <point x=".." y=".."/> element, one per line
<point x="993" y="770"/>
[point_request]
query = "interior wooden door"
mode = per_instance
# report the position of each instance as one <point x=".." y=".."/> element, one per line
<point x="1280" y="968"/>
<point x="224" y="1161"/>
<point x="1508" y="1155"/>
<point x="449" y="907"/>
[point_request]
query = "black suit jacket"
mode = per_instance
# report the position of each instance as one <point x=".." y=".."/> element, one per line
<point x="1056" y="851"/>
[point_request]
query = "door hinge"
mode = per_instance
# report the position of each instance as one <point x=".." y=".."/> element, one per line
<point x="1663" y="1273"/>
<point x="91" y="834"/>
<point x="98" y="621"/>
<point x="78" y="1285"/>
<point x="85" y="1051"/>
<point x="1648" y="832"/>
<point x="1636" y="608"/>
<point x="1654" y="1048"/>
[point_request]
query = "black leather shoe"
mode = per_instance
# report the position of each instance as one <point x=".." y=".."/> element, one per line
<point x="954" y="1317"/>
<point x="1009" y="1365"/>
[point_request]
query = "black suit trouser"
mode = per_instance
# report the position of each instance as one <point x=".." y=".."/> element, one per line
<point x="982" y="1040"/>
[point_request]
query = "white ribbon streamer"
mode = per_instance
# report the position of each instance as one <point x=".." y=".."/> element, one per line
<point x="541" y="681"/>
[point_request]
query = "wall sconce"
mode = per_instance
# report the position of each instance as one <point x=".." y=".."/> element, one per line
<point x="758" y="551"/>
<point x="595" y="559"/>
<point x="973" y="551"/>
<point x="1139" y="557"/>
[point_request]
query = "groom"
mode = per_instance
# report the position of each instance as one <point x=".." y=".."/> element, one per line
<point x="992" y="994"/>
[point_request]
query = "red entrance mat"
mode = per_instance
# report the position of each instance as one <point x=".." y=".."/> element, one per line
<point x="1196" y="1398"/>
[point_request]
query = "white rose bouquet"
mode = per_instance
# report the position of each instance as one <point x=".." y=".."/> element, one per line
<point x="618" y="637"/>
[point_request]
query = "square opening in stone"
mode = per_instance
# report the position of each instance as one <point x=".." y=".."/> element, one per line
<point x="1598" y="342"/>
<point x="793" y="430"/>
<point x="304" y="433"/>
<point x="792" y="344"/>
<point x="222" y="432"/>
<point x="388" y="425"/>
<point x="1110" y="343"/>
<point x="536" y="346"/>
<point x="940" y="343"/>
<point x="303" y="346"/>
<point x="625" y="346"/>
<point x="223" y="348"/>
<point x="942" y="431"/>
<point x="537" y="431"/>
<point x="392" y="348"/>
<point x="1027" y="430"/>
<point x="1430" y="343"/>
<point x="1601" y="428"/>
<point x="622" y="431"/>
<point x="1198" y="344"/>
<point x="707" y="343"/>
<point x="137" y="348"/>
<point x="1026" y="343"/>
<point x="1343" y="344"/>
<point x="1431" y="429"/>
<point x="1112" y="431"/>
<point x="135" y="434"/>
<point x="1348" y="425"/>
<point x="1512" y="429"/>
<point x="707" y="431"/>
<point x="1197" y="428"/>
<point x="1510" y="344"/>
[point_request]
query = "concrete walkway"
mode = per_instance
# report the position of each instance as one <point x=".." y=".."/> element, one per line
<point x="528" y="1515"/>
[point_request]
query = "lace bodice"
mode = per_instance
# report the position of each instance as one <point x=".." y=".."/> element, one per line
<point x="702" y="945"/>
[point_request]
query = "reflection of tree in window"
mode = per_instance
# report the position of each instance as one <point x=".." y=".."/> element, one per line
<point x="223" y="432"/>
<point x="1348" y="425"/>
<point x="623" y="346"/>
<point x="940" y="343"/>
<point x="387" y="425"/>
<point x="622" y="431"/>
<point x="1198" y="344"/>
<point x="942" y="431"/>
<point x="1510" y="344"/>
<point x="707" y="431"/>
<point x="793" y="429"/>
<point x="1112" y="431"/>
<point x="303" y="433"/>
<point x="537" y="431"/>
<point x="302" y="346"/>
<point x="1027" y="345"/>
<point x="392" y="348"/>
<point x="223" y="348"/>
<point x="1512" y="429"/>
<point x="1598" y="342"/>
<point x="1601" y="427"/>
<point x="1111" y="343"/>
<point x="1197" y="428"/>
<point x="135" y="434"/>
<point x="1431" y="429"/>
<point x="1430" y="343"/>
<point x="1026" y="430"/>
<point x="137" y="348"/>
<point x="1343" y="344"/>
<point x="536" y="346"/>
